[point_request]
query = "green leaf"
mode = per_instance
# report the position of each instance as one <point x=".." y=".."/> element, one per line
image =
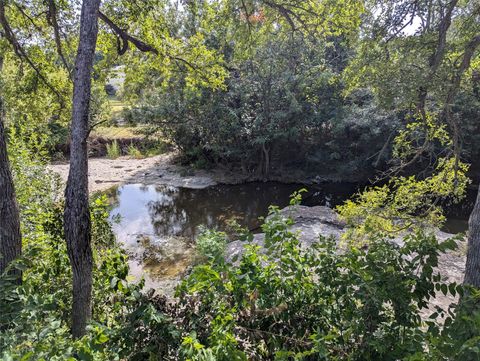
<point x="444" y="289"/>
<point x="27" y="356"/>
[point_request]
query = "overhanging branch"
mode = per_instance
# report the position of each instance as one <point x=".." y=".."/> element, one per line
<point x="52" y="21"/>
<point x="126" y="38"/>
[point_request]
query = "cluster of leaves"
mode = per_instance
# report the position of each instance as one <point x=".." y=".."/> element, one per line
<point x="29" y="101"/>
<point x="35" y="318"/>
<point x="211" y="244"/>
<point x="409" y="202"/>
<point x="36" y="73"/>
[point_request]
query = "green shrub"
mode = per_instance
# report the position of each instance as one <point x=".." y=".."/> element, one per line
<point x="279" y="109"/>
<point x="37" y="324"/>
<point x="289" y="303"/>
<point x="36" y="321"/>
<point x="153" y="147"/>
<point x="134" y="152"/>
<point x="113" y="150"/>
<point x="35" y="316"/>
<point x="211" y="244"/>
<point x="292" y="303"/>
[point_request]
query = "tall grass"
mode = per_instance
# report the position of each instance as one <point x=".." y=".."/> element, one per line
<point x="113" y="150"/>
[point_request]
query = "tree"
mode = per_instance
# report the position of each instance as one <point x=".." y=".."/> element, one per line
<point x="422" y="71"/>
<point x="276" y="108"/>
<point x="174" y="49"/>
<point x="40" y="57"/>
<point x="76" y="215"/>
<point x="10" y="237"/>
<point x="472" y="267"/>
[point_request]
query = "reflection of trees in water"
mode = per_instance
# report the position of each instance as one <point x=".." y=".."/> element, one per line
<point x="180" y="211"/>
<point x="167" y="217"/>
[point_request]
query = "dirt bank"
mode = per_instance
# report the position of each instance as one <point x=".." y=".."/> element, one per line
<point x="165" y="170"/>
<point x="104" y="173"/>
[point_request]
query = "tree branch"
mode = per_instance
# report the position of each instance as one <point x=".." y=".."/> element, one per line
<point x="126" y="38"/>
<point x="52" y="21"/>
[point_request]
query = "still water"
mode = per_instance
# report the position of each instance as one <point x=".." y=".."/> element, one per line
<point x="158" y="223"/>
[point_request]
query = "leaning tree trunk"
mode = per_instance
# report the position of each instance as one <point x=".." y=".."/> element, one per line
<point x="472" y="267"/>
<point x="76" y="215"/>
<point x="10" y="238"/>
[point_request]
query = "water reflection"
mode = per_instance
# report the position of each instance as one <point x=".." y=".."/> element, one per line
<point x="163" y="211"/>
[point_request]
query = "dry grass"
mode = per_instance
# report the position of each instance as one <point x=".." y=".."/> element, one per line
<point x="116" y="107"/>
<point x="116" y="132"/>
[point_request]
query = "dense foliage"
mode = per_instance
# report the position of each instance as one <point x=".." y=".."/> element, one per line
<point x="35" y="317"/>
<point x="333" y="106"/>
<point x="284" y="302"/>
<point x="335" y="89"/>
<point x="280" y="302"/>
<point x="279" y="109"/>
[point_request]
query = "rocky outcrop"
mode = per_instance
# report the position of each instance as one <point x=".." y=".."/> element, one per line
<point x="309" y="222"/>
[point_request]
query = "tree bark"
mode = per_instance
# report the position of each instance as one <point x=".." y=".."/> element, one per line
<point x="472" y="266"/>
<point x="76" y="215"/>
<point x="10" y="237"/>
<point x="437" y="56"/>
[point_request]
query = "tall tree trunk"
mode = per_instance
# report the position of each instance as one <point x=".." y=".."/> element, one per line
<point x="472" y="267"/>
<point x="76" y="215"/>
<point x="10" y="238"/>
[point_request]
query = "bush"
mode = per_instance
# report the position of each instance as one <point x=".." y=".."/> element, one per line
<point x="35" y="316"/>
<point x="113" y="150"/>
<point x="35" y="319"/>
<point x="211" y="244"/>
<point x="133" y="151"/>
<point x="312" y="304"/>
<point x="289" y="303"/>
